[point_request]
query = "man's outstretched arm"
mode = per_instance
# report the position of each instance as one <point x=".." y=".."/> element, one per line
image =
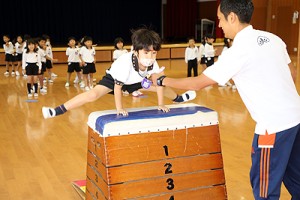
<point x="191" y="83"/>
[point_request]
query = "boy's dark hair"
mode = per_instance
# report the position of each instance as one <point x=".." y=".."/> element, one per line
<point x="40" y="39"/>
<point x="242" y="8"/>
<point x="30" y="41"/>
<point x="143" y="38"/>
<point x="117" y="40"/>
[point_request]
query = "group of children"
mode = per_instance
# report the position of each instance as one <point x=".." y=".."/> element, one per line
<point x="204" y="54"/>
<point x="35" y="56"/>
<point x="81" y="57"/>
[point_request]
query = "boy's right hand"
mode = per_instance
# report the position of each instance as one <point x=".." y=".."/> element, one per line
<point x="122" y="112"/>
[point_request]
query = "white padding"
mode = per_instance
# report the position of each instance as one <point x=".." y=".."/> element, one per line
<point x="137" y="126"/>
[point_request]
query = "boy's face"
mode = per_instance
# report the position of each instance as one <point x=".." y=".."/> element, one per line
<point x="146" y="57"/>
<point x="191" y="42"/>
<point x="42" y="43"/>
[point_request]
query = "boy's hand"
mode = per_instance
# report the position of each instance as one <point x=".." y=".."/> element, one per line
<point x="163" y="108"/>
<point x="122" y="112"/>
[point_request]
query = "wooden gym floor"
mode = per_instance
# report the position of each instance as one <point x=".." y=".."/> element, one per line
<point x="40" y="158"/>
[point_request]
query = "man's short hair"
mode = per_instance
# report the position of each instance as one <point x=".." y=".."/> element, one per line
<point x="242" y="8"/>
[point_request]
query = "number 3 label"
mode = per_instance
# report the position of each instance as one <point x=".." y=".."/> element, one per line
<point x="170" y="184"/>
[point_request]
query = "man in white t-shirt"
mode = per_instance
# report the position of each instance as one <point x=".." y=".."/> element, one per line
<point x="260" y="66"/>
<point x="129" y="72"/>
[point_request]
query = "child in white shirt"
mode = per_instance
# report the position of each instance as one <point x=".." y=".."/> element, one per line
<point x="31" y="65"/>
<point x="19" y="46"/>
<point x="87" y="57"/>
<point x="209" y="50"/>
<point x="191" y="58"/>
<point x="73" y="60"/>
<point x="9" y="55"/>
<point x="119" y="48"/>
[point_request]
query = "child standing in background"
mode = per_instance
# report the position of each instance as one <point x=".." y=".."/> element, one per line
<point x="80" y="78"/>
<point x="119" y="48"/>
<point x="201" y="53"/>
<point x="41" y="51"/>
<point x="26" y="37"/>
<point x="31" y="65"/>
<point x="49" y="62"/>
<point x="209" y="50"/>
<point x="73" y="60"/>
<point x="9" y="55"/>
<point x="18" y="55"/>
<point x="192" y="57"/>
<point x="87" y="57"/>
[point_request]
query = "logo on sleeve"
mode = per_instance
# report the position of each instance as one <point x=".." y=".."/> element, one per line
<point x="261" y="40"/>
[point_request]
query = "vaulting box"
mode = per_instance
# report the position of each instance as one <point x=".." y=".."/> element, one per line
<point x="154" y="155"/>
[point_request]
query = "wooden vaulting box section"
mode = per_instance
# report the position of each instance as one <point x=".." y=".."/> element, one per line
<point x="154" y="155"/>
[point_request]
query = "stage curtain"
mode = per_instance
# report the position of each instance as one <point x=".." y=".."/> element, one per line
<point x="181" y="18"/>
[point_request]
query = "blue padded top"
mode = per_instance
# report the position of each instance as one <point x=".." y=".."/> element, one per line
<point x="147" y="114"/>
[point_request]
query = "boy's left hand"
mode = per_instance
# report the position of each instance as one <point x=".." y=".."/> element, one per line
<point x="163" y="108"/>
